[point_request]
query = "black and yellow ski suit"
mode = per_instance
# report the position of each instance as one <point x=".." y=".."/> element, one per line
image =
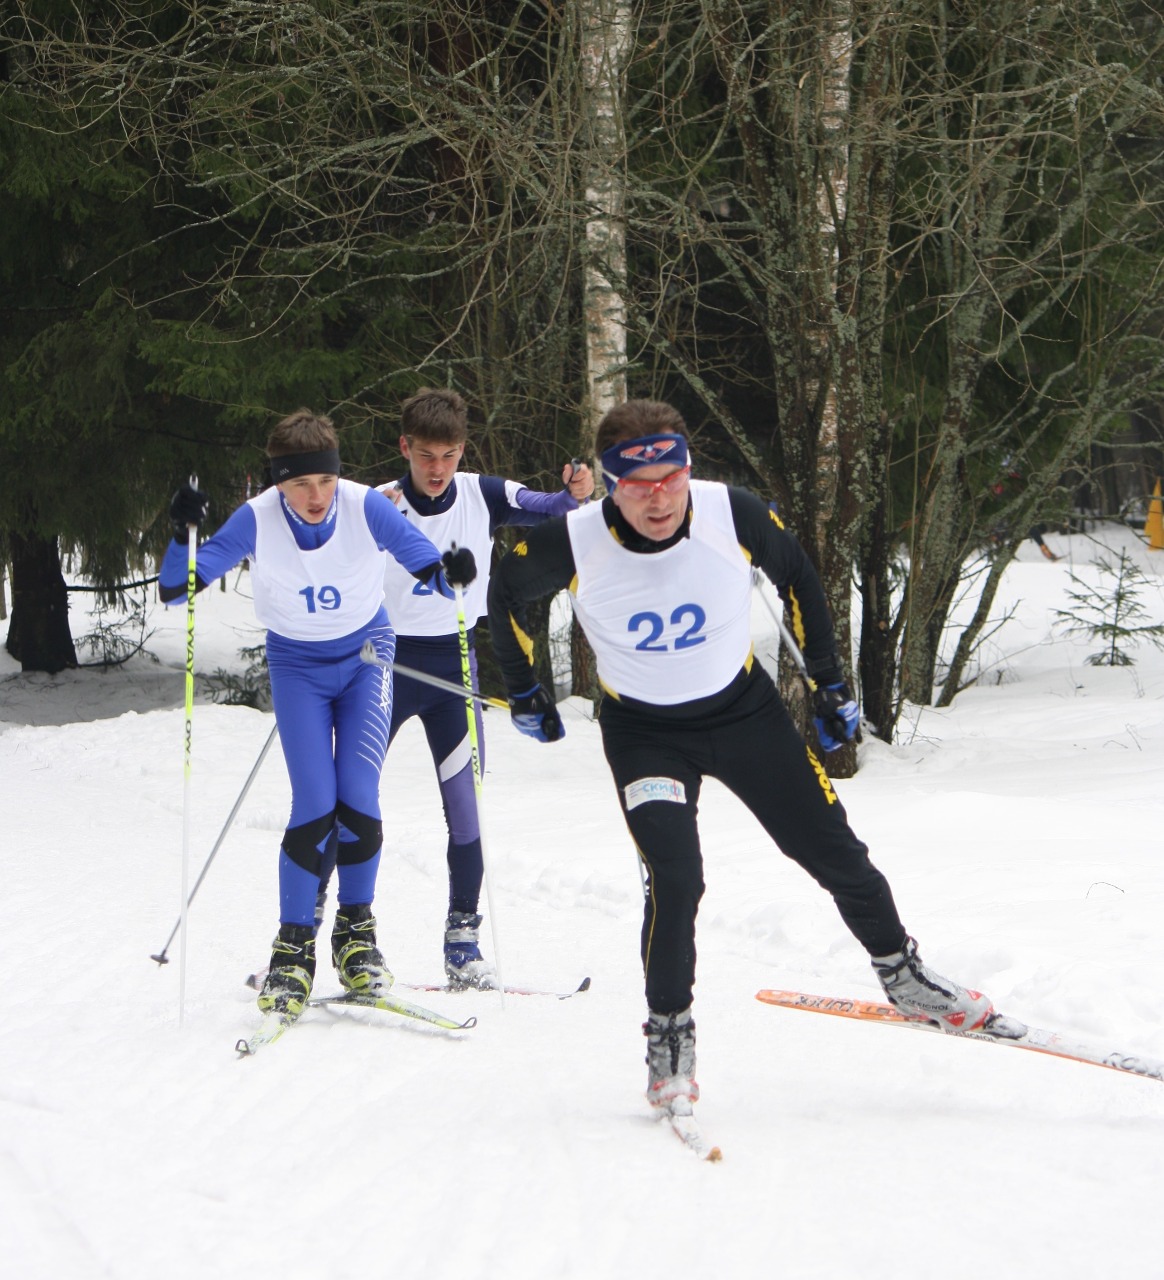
<point x="659" y="743"/>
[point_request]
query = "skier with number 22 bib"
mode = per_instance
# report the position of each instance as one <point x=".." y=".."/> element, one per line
<point x="661" y="577"/>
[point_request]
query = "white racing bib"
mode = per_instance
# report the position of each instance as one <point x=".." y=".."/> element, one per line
<point x="672" y="626"/>
<point x="321" y="594"/>
<point x="414" y="609"/>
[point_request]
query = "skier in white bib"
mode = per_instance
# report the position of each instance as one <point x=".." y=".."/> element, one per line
<point x="463" y="509"/>
<point x="661" y="577"/>
<point x="317" y="546"/>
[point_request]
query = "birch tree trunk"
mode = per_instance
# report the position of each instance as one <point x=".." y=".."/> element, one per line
<point x="606" y="36"/>
<point x="832" y="189"/>
<point x="606" y="39"/>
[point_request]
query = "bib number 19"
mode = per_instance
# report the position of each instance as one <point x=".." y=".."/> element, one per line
<point x="324" y="598"/>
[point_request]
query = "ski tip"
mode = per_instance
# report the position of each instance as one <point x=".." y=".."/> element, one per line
<point x="584" y="985"/>
<point x="243" y="1049"/>
<point x="253" y="981"/>
<point x="468" y="1024"/>
<point x="998" y="1024"/>
<point x="714" y="1156"/>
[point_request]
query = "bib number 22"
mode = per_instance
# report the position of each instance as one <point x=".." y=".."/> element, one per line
<point x="689" y="617"/>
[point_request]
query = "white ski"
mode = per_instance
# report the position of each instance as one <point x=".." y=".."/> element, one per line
<point x="686" y="1129"/>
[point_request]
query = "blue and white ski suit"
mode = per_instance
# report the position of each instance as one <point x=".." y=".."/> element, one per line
<point x="319" y="591"/>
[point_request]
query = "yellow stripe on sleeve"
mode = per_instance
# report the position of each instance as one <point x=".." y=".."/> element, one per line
<point x="797" y="619"/>
<point x="526" y="643"/>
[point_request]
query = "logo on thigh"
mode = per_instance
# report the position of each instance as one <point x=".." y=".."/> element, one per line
<point x="644" y="790"/>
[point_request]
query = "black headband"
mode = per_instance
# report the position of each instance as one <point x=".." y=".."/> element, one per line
<point x="323" y="462"/>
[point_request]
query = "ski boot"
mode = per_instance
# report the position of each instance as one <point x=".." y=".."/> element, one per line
<point x="292" y="972"/>
<point x="464" y="964"/>
<point x="919" y="992"/>
<point x="354" y="953"/>
<point x="671" y="1082"/>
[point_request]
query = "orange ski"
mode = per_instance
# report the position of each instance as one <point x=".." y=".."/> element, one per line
<point x="997" y="1030"/>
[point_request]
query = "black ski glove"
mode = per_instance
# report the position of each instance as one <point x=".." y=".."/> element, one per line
<point x="188" y="507"/>
<point x="459" y="566"/>
<point x="535" y="715"/>
<point x="837" y="715"/>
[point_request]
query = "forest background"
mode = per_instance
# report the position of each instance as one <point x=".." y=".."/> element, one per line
<point x="899" y="264"/>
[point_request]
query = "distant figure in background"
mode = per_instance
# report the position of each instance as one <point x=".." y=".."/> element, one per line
<point x="1036" y="536"/>
<point x="1001" y="531"/>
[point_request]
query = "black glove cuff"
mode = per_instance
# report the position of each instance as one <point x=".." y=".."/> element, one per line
<point x="826" y="670"/>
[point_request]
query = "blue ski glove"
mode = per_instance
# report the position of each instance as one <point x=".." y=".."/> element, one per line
<point x="535" y="715"/>
<point x="837" y="716"/>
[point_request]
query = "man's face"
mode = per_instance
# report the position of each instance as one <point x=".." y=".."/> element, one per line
<point x="309" y="496"/>
<point x="432" y="466"/>
<point x="649" y="508"/>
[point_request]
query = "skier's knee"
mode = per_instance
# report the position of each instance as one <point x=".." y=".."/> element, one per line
<point x="368" y="833"/>
<point x="303" y="844"/>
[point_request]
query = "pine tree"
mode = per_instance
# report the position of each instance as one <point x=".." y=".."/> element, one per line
<point x="1112" y="613"/>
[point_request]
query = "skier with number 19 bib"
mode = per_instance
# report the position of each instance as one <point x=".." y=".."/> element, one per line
<point x="317" y="546"/>
<point x="661" y="578"/>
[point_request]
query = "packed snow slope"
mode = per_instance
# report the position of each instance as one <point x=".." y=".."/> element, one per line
<point x="1022" y="830"/>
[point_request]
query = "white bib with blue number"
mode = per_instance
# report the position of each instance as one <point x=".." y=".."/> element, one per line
<point x="322" y="594"/>
<point x="671" y="626"/>
<point x="414" y="609"/>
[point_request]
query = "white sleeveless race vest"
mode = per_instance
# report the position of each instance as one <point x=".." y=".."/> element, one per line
<point x="671" y="626"/>
<point x="414" y="608"/>
<point x="322" y="594"/>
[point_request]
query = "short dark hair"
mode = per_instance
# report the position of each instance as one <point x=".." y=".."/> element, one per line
<point x="436" y="415"/>
<point x="301" y="432"/>
<point x="638" y="418"/>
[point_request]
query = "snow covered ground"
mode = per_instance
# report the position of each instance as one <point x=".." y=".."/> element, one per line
<point x="1023" y="833"/>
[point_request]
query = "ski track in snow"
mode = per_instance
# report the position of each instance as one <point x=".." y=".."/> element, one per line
<point x="1020" y="829"/>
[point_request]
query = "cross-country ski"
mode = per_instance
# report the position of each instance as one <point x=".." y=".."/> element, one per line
<point x="389" y="1002"/>
<point x="997" y="1030"/>
<point x="255" y="982"/>
<point x="682" y="1122"/>
<point x="274" y="1025"/>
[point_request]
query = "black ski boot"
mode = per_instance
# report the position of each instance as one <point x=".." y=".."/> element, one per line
<point x="288" y="982"/>
<point x="354" y="952"/>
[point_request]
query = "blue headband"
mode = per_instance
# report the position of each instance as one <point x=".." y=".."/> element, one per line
<point x="643" y="451"/>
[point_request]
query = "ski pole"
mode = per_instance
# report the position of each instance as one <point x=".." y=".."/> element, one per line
<point x="369" y="655"/>
<point x="161" y="956"/>
<point x="475" y="751"/>
<point x="191" y="585"/>
<point x="785" y="634"/>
